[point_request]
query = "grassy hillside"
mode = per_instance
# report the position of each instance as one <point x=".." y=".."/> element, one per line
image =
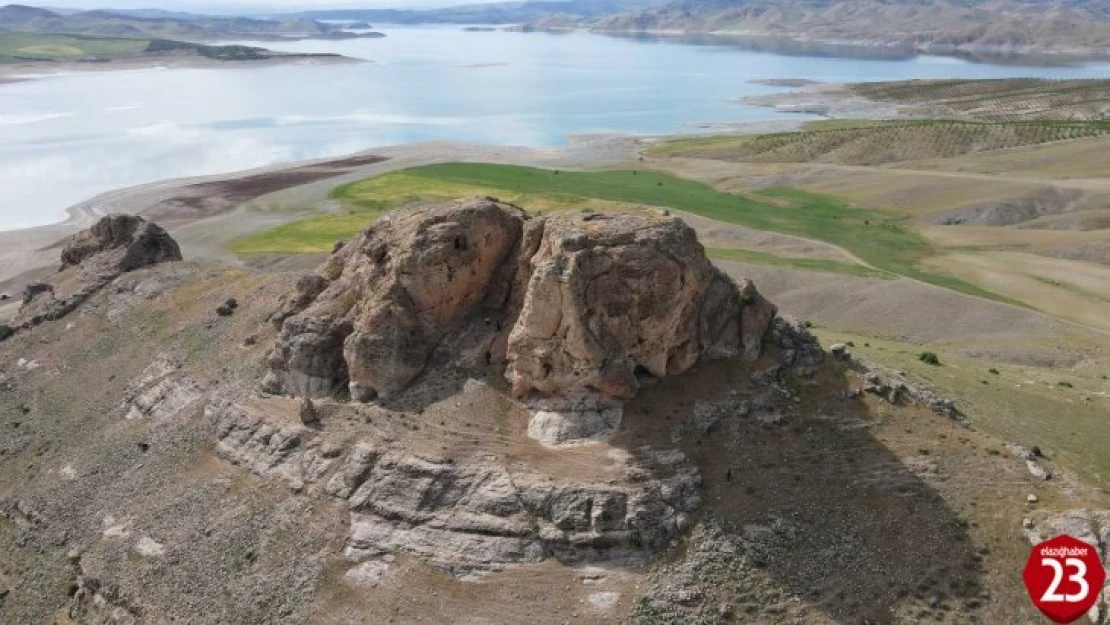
<point x="879" y="239"/>
<point x="877" y="143"/>
<point x="37" y="47"/>
<point x="31" y="47"/>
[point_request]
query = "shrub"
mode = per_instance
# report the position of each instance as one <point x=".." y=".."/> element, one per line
<point x="929" y="358"/>
<point x="992" y="371"/>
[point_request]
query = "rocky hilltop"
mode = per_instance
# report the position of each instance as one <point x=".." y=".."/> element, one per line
<point x="405" y="460"/>
<point x="578" y="307"/>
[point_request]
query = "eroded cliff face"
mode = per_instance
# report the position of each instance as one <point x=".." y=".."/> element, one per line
<point x="367" y="324"/>
<point x="578" y="307"/>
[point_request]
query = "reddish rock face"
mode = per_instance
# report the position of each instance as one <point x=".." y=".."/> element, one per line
<point x="576" y="305"/>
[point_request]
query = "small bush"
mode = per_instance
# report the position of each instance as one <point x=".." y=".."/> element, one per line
<point x="929" y="358"/>
<point x="992" y="371"/>
<point x="1065" y="384"/>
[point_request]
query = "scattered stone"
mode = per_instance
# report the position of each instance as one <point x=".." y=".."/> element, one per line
<point x="224" y="310"/>
<point x="149" y="547"/>
<point x="231" y="303"/>
<point x="308" y="412"/>
<point x="1031" y="498"/>
<point x="840" y="352"/>
<point x="1038" y="471"/>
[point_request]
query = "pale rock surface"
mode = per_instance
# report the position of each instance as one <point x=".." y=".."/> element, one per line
<point x="469" y="517"/>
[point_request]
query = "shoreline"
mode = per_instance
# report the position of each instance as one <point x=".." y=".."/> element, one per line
<point x="205" y="212"/>
<point x="30" y="70"/>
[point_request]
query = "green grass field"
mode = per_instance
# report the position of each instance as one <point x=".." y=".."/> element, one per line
<point x="807" y="264"/>
<point x="880" y="239"/>
<point x="15" y="47"/>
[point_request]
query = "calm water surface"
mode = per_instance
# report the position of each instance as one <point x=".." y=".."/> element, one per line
<point x="66" y="138"/>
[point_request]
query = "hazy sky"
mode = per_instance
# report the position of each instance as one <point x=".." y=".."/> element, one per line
<point x="255" y="6"/>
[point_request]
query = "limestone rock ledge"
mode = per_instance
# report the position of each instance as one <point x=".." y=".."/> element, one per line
<point x="468" y="517"/>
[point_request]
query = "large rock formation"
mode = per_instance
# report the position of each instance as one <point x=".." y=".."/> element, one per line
<point x="114" y="245"/>
<point x="578" y="306"/>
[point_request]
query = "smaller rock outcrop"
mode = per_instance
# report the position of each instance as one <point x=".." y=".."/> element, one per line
<point x="120" y="243"/>
<point x="91" y="259"/>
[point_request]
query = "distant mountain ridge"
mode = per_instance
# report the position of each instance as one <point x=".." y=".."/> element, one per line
<point x="1059" y="26"/>
<point x="154" y="23"/>
<point x="492" y="13"/>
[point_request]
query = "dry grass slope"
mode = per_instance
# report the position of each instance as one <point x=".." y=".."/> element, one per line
<point x="999" y="100"/>
<point x="880" y="143"/>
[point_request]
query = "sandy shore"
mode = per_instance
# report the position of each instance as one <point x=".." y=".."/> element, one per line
<point x="823" y="99"/>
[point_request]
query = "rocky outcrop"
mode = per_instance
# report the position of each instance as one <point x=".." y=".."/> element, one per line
<point x="161" y="392"/>
<point x="91" y="259"/>
<point x="578" y="307"/>
<point x="470" y="516"/>
<point x="120" y="243"/>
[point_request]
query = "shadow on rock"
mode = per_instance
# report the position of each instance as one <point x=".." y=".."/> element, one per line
<point x="806" y="511"/>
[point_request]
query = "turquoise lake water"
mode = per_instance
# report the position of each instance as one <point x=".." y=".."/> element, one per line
<point x="65" y="138"/>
